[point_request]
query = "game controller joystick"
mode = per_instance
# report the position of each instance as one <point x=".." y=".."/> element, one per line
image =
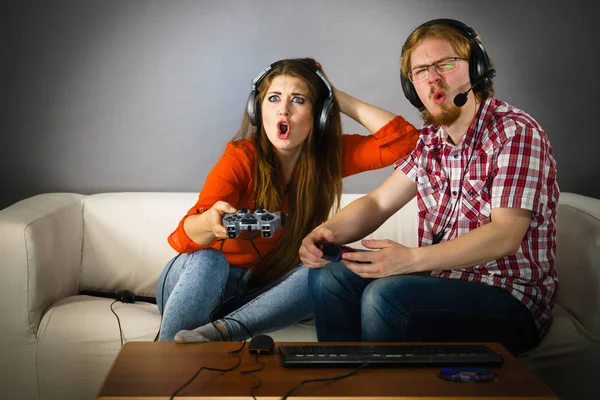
<point x="261" y="220"/>
<point x="260" y="211"/>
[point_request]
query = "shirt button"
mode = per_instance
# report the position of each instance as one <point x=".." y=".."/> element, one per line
<point x="456" y="156"/>
<point x="454" y="193"/>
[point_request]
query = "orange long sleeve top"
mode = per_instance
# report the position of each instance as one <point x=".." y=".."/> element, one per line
<point x="231" y="180"/>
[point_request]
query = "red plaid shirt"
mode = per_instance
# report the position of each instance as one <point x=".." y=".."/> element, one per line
<point x="503" y="161"/>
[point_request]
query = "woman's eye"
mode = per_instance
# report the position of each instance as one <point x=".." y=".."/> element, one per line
<point x="273" y="98"/>
<point x="298" y="100"/>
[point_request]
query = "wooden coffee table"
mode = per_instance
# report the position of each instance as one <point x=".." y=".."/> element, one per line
<point x="155" y="370"/>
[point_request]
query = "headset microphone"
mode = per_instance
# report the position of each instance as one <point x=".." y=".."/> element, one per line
<point x="461" y="98"/>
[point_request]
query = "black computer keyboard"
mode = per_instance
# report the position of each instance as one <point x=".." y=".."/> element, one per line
<point x="388" y="356"/>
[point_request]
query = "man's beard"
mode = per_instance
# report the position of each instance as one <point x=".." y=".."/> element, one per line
<point x="445" y="117"/>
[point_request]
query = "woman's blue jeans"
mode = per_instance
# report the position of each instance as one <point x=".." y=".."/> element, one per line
<point x="202" y="286"/>
<point x="416" y="308"/>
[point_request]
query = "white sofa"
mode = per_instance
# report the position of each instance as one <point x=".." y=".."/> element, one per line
<point x="57" y="344"/>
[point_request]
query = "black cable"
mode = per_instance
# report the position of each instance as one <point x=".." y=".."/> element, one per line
<point x="211" y="316"/>
<point x="253" y="245"/>
<point x="162" y="297"/>
<point x="437" y="238"/>
<point x="248" y="293"/>
<point x="243" y="326"/>
<point x="218" y="330"/>
<point x="250" y="372"/>
<point x="292" y="390"/>
<point x="163" y="294"/>
<point x="233" y="353"/>
<point x="118" y="321"/>
<point x="112" y="295"/>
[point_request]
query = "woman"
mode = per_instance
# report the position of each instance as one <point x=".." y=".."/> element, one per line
<point x="289" y="156"/>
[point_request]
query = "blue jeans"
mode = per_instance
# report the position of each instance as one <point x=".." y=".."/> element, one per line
<point x="202" y="286"/>
<point x="416" y="308"/>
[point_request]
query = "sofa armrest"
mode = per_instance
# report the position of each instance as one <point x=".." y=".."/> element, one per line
<point x="578" y="260"/>
<point x="40" y="255"/>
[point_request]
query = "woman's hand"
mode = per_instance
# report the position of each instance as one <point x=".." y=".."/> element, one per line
<point x="214" y="218"/>
<point x="203" y="228"/>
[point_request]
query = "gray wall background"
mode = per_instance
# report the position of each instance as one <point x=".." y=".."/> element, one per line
<point x="106" y="95"/>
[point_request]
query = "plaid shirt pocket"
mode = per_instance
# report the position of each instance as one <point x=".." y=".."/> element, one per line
<point x="431" y="189"/>
<point x="475" y="204"/>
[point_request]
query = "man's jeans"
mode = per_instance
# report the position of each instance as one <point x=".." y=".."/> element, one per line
<point x="416" y="308"/>
<point x="201" y="286"/>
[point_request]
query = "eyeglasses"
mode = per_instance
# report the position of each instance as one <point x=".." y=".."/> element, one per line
<point x="442" y="67"/>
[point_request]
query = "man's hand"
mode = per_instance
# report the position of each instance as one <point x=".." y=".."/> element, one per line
<point x="310" y="254"/>
<point x="390" y="258"/>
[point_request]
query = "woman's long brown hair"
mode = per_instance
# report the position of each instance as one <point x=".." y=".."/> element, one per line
<point x="315" y="188"/>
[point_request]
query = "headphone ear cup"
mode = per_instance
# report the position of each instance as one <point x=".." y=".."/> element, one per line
<point x="410" y="93"/>
<point x="323" y="116"/>
<point x="250" y="107"/>
<point x="479" y="65"/>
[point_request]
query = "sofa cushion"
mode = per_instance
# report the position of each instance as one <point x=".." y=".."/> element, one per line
<point x="300" y="332"/>
<point x="125" y="239"/>
<point x="565" y="360"/>
<point x="79" y="338"/>
<point x="565" y="335"/>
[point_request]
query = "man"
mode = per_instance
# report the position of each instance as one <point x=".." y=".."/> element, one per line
<point x="485" y="182"/>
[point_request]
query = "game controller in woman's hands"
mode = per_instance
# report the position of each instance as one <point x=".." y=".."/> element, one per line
<point x="260" y="220"/>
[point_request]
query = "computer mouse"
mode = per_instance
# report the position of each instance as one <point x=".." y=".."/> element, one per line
<point x="261" y="344"/>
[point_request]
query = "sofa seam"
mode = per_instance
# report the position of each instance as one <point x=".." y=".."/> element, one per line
<point x="29" y="327"/>
<point x="581" y="211"/>
<point x="27" y="251"/>
<point x="37" y="367"/>
<point x="578" y="325"/>
<point x="80" y="275"/>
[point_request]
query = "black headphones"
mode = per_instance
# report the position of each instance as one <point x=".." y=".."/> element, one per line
<point x="322" y="110"/>
<point x="479" y="62"/>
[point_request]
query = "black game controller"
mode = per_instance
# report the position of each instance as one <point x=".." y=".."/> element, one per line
<point x="333" y="252"/>
<point x="260" y="220"/>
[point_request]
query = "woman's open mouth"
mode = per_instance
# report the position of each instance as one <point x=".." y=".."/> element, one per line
<point x="283" y="130"/>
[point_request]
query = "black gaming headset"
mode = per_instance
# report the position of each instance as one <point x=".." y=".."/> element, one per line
<point x="480" y="71"/>
<point x="322" y="109"/>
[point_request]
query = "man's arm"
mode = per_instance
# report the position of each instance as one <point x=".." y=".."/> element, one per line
<point x="360" y="218"/>
<point x="492" y="241"/>
<point x="500" y="238"/>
